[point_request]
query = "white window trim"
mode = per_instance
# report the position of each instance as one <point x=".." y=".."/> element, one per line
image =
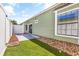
<point x="56" y="24"/>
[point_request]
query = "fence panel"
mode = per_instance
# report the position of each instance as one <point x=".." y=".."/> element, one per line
<point x="2" y="31"/>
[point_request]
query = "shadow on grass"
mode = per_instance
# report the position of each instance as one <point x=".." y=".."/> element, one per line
<point x="49" y="48"/>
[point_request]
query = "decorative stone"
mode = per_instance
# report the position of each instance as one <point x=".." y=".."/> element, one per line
<point x="70" y="48"/>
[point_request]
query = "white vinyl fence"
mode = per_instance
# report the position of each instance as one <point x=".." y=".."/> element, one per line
<point x="8" y="30"/>
<point x="5" y="30"/>
<point x="18" y="29"/>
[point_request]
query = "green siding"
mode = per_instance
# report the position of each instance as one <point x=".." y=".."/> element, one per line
<point x="46" y="25"/>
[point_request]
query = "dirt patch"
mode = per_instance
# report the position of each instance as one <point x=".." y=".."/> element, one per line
<point x="13" y="41"/>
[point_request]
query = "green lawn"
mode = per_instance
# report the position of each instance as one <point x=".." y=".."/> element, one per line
<point x="32" y="48"/>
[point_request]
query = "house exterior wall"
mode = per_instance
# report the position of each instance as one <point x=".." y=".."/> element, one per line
<point x="46" y="25"/>
<point x="28" y="23"/>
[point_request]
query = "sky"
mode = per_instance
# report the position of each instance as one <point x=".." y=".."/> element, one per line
<point x="23" y="11"/>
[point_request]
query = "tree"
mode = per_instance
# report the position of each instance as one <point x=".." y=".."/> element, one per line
<point x="14" y="22"/>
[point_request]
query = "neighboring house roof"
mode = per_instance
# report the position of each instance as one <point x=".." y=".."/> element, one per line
<point x="53" y="7"/>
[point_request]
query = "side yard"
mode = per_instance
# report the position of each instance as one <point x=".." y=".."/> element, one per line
<point x="32" y="47"/>
<point x="27" y="48"/>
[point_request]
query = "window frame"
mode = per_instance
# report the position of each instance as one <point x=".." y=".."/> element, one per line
<point x="56" y="24"/>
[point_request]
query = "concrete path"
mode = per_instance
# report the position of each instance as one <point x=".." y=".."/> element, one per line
<point x="27" y="37"/>
<point x="21" y="38"/>
<point x="31" y="36"/>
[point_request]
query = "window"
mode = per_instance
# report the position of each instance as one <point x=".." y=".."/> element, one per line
<point x="62" y="29"/>
<point x="59" y="29"/>
<point x="69" y="29"/>
<point x="67" y="23"/>
<point x="26" y="27"/>
<point x="75" y="29"/>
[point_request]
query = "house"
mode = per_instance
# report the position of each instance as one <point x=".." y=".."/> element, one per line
<point x="59" y="22"/>
<point x="5" y="30"/>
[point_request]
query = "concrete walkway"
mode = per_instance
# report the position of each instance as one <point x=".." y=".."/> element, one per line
<point x="31" y="36"/>
<point x="24" y="37"/>
<point x="21" y="38"/>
